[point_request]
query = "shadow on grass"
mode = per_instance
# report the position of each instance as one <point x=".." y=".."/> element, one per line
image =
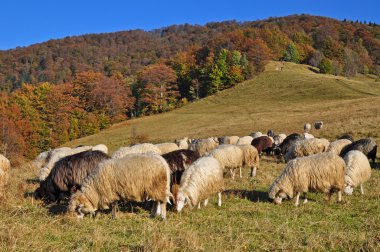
<point x="29" y="195"/>
<point x="375" y="165"/>
<point x="255" y="196"/>
<point x="313" y="70"/>
<point x="32" y="181"/>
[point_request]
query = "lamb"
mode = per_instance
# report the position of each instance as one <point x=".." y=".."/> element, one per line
<point x="358" y="171"/>
<point x="178" y="162"/>
<point x="5" y="166"/>
<point x="183" y="143"/>
<point x="230" y="157"/>
<point x="250" y="158"/>
<point x="167" y="147"/>
<point x="337" y="146"/>
<point x="229" y="140"/>
<point x="307" y="127"/>
<point x="244" y="140"/>
<point x="263" y="144"/>
<point x="346" y="136"/>
<point x="68" y="174"/>
<point x="318" y="125"/>
<point x="256" y="134"/>
<point x="138" y="148"/>
<point x="135" y="177"/>
<point x="367" y="146"/>
<point x="307" y="147"/>
<point x="204" y="146"/>
<point x="320" y="172"/>
<point x="201" y="180"/>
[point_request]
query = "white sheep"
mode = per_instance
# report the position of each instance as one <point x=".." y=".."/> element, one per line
<point x="307" y="147"/>
<point x="44" y="157"/>
<point x="138" y="148"/>
<point x="201" y="180"/>
<point x="358" y="170"/>
<point x="321" y="172"/>
<point x="256" y="134"/>
<point x="229" y="156"/>
<point x="136" y="177"/>
<point x="251" y="158"/>
<point x="307" y="127"/>
<point x="229" y="140"/>
<point x="204" y="146"/>
<point x="183" y="143"/>
<point x="245" y="140"/>
<point x="307" y="135"/>
<point x="337" y="146"/>
<point x="167" y="147"/>
<point x="278" y="139"/>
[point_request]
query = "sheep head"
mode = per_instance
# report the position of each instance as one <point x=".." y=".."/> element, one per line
<point x="80" y="205"/>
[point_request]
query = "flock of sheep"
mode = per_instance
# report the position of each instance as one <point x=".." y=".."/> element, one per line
<point x="189" y="171"/>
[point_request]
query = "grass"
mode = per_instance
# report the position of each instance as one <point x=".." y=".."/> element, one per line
<point x="246" y="221"/>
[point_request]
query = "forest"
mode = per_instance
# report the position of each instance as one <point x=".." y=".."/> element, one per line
<point x="65" y="89"/>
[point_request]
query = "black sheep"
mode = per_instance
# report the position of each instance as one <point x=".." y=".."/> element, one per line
<point x="366" y="145"/>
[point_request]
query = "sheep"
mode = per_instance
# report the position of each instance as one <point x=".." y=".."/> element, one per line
<point x="250" y="158"/>
<point x="204" y="146"/>
<point x="229" y="140"/>
<point x="307" y="127"/>
<point x="256" y="134"/>
<point x="337" y="146"/>
<point x="5" y="166"/>
<point x="201" y="180"/>
<point x="183" y="143"/>
<point x="358" y="171"/>
<point x="263" y="144"/>
<point x="366" y="145"/>
<point x="230" y="157"/>
<point x="178" y="162"/>
<point x="68" y="174"/>
<point x="307" y="147"/>
<point x="135" y="177"/>
<point x="44" y="157"/>
<point x="307" y="136"/>
<point x="100" y="147"/>
<point x="278" y="139"/>
<point x="346" y="136"/>
<point x="320" y="172"/>
<point x="167" y="147"/>
<point x="270" y="133"/>
<point x="138" y="148"/>
<point x="288" y="142"/>
<point x="57" y="154"/>
<point x="318" y="125"/>
<point x="244" y="140"/>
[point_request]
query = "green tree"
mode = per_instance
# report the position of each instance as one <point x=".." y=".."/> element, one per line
<point x="291" y="54"/>
<point x="325" y="66"/>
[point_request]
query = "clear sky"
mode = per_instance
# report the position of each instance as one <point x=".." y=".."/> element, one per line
<point x="25" y="22"/>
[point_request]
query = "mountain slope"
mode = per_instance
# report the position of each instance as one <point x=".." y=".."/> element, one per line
<point x="280" y="100"/>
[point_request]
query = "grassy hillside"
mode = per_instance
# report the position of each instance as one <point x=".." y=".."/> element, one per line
<point x="246" y="221"/>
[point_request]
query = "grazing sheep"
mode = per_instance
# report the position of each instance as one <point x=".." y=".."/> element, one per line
<point x="230" y="157"/>
<point x="358" y="171"/>
<point x="229" y="140"/>
<point x="270" y="133"/>
<point x="250" y="158"/>
<point x="136" y="177"/>
<point x="307" y="136"/>
<point x="263" y="144"/>
<point x="337" y="146"/>
<point x="43" y="158"/>
<point x="5" y="166"/>
<point x="201" y="180"/>
<point x="318" y="125"/>
<point x="183" y="143"/>
<point x="167" y="147"/>
<point x="100" y="147"/>
<point x="366" y="145"/>
<point x="307" y="147"/>
<point x="244" y="140"/>
<point x="321" y="172"/>
<point x="278" y="139"/>
<point x="68" y="174"/>
<point x="203" y="146"/>
<point x="256" y="134"/>
<point x="135" y="149"/>
<point x="178" y="162"/>
<point x="288" y="142"/>
<point x="307" y="128"/>
<point x="346" y="136"/>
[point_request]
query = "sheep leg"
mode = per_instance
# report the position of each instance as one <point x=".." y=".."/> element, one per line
<point x="305" y="196"/>
<point x="154" y="209"/>
<point x="159" y="209"/>
<point x="163" y="210"/>
<point x="297" y="199"/>
<point x="199" y="205"/>
<point x="253" y="171"/>
<point x="232" y="171"/>
<point x="205" y="202"/>
<point x="240" y="172"/>
<point x="339" y="196"/>
<point x="219" y="199"/>
<point x="114" y="209"/>
<point x="361" y="189"/>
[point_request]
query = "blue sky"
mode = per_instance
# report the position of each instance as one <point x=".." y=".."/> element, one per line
<point x="25" y="22"/>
